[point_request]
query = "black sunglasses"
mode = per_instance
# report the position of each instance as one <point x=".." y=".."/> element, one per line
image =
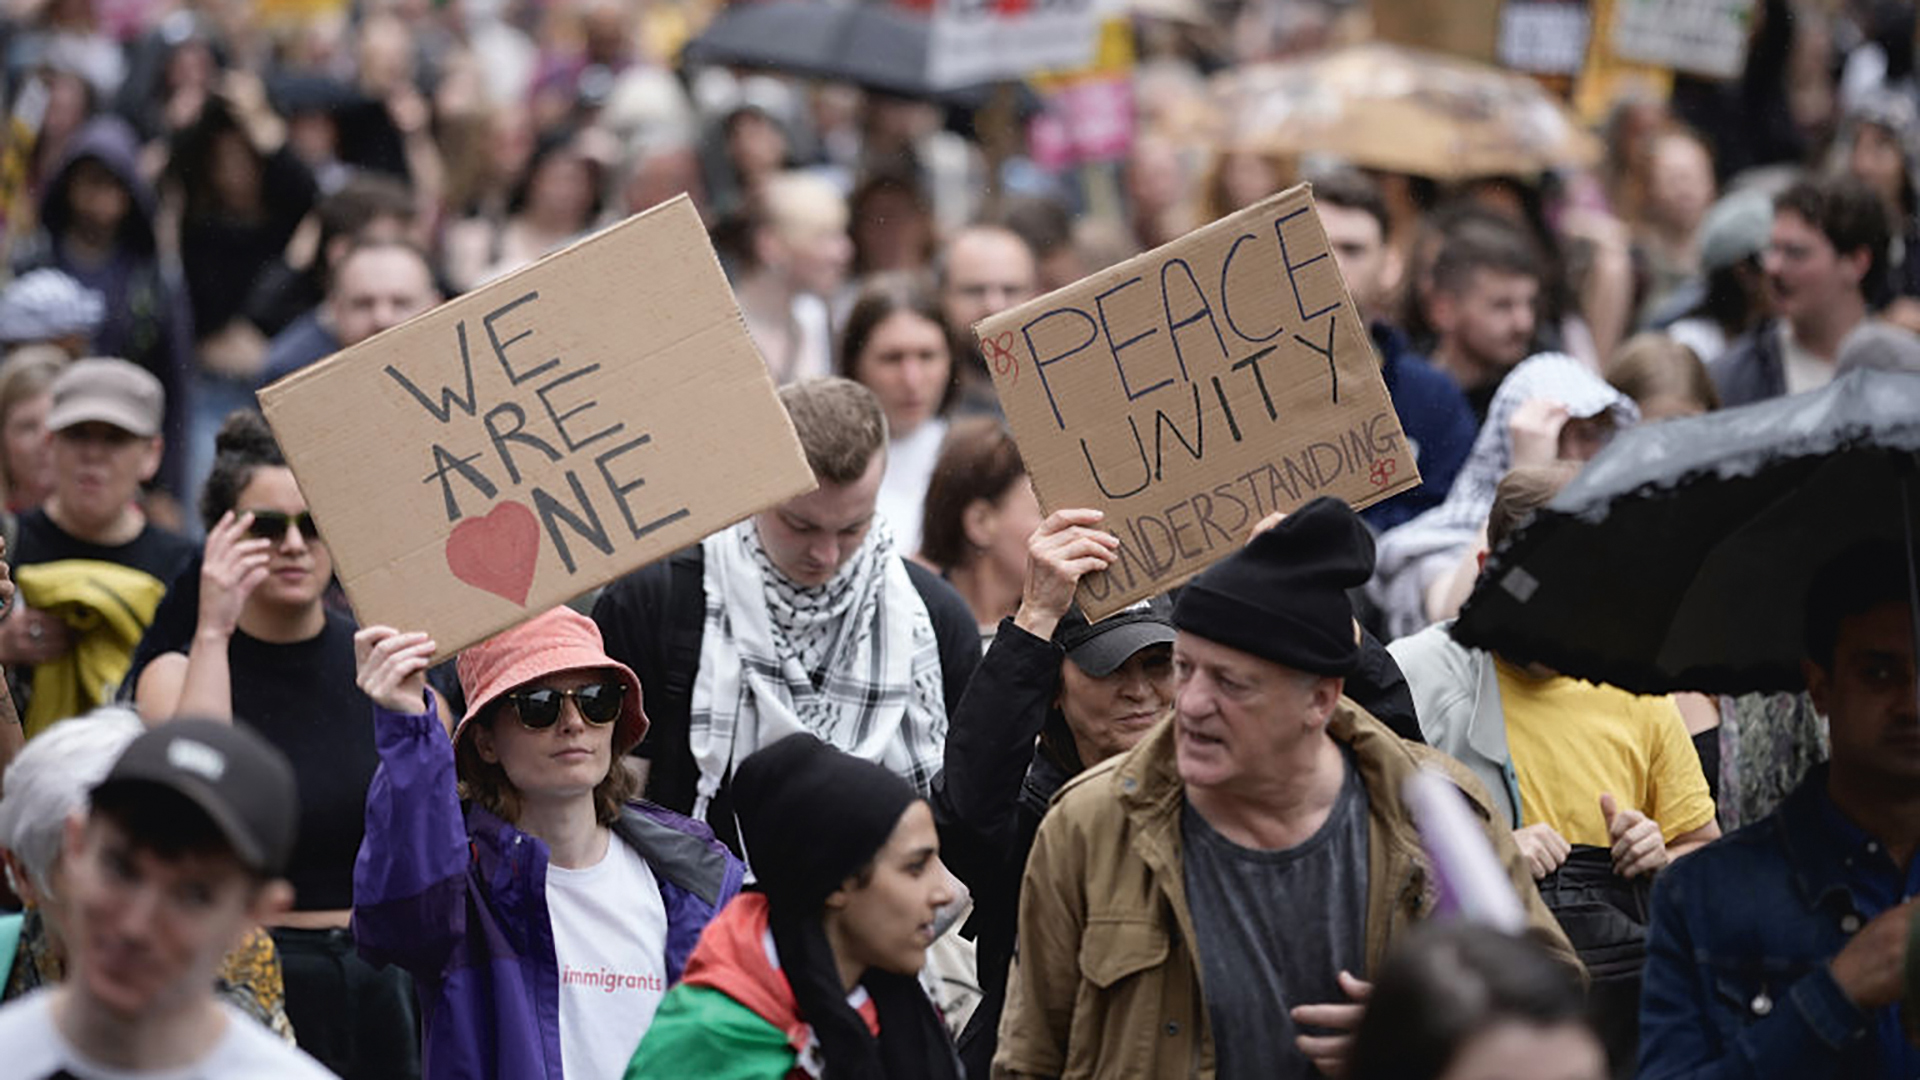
<point x="272" y="525"/>
<point x="539" y="708"/>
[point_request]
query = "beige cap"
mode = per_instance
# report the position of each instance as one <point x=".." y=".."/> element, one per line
<point x="111" y="391"/>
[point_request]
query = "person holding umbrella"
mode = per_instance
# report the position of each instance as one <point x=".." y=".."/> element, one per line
<point x="1780" y="951"/>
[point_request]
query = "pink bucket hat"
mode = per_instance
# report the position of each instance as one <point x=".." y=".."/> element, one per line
<point x="558" y="640"/>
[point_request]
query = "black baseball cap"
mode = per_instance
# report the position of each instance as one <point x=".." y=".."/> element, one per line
<point x="1100" y="648"/>
<point x="243" y="783"/>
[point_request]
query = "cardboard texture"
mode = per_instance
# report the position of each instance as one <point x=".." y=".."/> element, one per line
<point x="1469" y="28"/>
<point x="1193" y="390"/>
<point x="540" y="436"/>
<point x="1700" y="37"/>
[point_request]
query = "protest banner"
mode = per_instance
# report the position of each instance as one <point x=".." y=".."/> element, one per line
<point x="1700" y="37"/>
<point x="1544" y="37"/>
<point x="979" y="41"/>
<point x="535" y="438"/>
<point x="1190" y="391"/>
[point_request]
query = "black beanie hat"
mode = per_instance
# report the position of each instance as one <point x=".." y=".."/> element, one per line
<point x="811" y="816"/>
<point x="1283" y="597"/>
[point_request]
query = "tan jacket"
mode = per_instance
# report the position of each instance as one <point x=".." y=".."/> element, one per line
<point x="1106" y="984"/>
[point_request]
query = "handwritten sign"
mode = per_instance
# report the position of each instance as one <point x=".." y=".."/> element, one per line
<point x="516" y="447"/>
<point x="1190" y="391"/>
<point x="1701" y="37"/>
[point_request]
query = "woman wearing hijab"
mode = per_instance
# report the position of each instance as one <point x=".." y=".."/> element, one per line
<point x="543" y="920"/>
<point x="813" y="974"/>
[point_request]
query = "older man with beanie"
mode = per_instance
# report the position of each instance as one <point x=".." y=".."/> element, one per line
<point x="1256" y="844"/>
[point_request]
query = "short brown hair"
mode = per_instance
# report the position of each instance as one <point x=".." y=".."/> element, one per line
<point x="1852" y="218"/>
<point x="1482" y="240"/>
<point x="1523" y="491"/>
<point x="840" y="425"/>
<point x="485" y="783"/>
<point x="978" y="460"/>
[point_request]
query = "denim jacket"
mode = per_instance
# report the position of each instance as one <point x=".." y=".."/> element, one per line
<point x="1737" y="978"/>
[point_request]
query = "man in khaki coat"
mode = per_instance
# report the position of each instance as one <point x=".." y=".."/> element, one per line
<point x="1248" y="862"/>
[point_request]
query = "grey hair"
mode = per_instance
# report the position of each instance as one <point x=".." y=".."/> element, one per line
<point x="50" y="779"/>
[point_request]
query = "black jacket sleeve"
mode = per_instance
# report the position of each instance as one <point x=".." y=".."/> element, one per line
<point x="990" y="745"/>
<point x="953" y="626"/>
<point x="652" y="620"/>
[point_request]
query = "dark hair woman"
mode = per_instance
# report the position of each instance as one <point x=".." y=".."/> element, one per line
<point x="979" y="511"/>
<point x="814" y="972"/>
<point x="262" y="649"/>
<point x="1468" y="1003"/>
<point x="896" y="346"/>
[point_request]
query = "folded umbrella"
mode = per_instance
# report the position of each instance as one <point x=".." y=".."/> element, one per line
<point x="1680" y="557"/>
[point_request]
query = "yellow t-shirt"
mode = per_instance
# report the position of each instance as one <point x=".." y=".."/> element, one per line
<point x="1570" y="740"/>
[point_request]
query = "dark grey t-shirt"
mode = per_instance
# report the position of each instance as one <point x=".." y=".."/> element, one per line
<point x="1274" y="930"/>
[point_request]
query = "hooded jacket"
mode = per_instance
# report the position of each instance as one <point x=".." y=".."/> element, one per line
<point x="147" y="318"/>
<point x="459" y="900"/>
<point x="1107" y="982"/>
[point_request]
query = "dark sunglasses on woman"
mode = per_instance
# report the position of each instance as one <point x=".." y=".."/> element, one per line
<point x="272" y="525"/>
<point x="539" y="708"/>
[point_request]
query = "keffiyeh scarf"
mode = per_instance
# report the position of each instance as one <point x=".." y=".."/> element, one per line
<point x="854" y="661"/>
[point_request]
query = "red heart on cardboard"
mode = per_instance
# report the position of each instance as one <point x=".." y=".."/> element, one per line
<point x="497" y="552"/>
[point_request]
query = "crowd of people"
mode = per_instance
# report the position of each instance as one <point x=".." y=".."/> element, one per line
<point x="853" y="788"/>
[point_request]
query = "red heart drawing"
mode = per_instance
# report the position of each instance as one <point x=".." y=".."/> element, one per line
<point x="497" y="552"/>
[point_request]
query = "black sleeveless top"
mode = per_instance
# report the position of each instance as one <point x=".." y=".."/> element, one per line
<point x="303" y="699"/>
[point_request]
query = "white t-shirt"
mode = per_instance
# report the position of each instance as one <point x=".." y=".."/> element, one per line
<point x="903" y="487"/>
<point x="1804" y="370"/>
<point x="610" y="937"/>
<point x="33" y="1049"/>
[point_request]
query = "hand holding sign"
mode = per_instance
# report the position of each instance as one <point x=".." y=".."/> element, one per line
<point x="1193" y="390"/>
<point x="535" y="438"/>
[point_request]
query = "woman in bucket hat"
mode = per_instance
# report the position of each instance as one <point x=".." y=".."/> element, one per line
<point x="545" y="918"/>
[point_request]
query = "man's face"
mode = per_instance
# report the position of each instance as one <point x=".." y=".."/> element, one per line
<point x="1241" y="718"/>
<point x="1360" y="250"/>
<point x="376" y="289"/>
<point x="145" y="934"/>
<point x="98" y="469"/>
<point x="1806" y="277"/>
<point x="811" y="537"/>
<point x="1489" y="319"/>
<point x="987" y="273"/>
<point x="1868" y="698"/>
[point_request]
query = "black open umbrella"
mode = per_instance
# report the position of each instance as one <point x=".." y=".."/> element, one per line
<point x="872" y="45"/>
<point x="1679" y="558"/>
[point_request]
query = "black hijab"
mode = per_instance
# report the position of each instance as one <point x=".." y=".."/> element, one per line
<point x="810" y="818"/>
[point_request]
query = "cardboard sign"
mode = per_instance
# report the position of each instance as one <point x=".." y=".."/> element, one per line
<point x="1469" y="28"/>
<point x="1193" y="390"/>
<point x="535" y="438"/>
<point x="1701" y="37"/>
<point x="979" y="41"/>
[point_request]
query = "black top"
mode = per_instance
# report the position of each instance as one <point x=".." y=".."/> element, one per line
<point x="302" y="698"/>
<point x="154" y="551"/>
<point x="653" y="621"/>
